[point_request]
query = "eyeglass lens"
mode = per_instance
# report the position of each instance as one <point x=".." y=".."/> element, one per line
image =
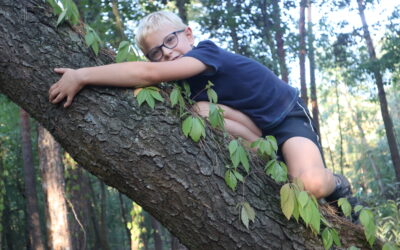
<point x="170" y="42"/>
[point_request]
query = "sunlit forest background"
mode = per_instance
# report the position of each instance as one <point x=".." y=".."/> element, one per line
<point x="348" y="74"/>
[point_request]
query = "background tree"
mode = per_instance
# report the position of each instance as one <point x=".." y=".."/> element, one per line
<point x="53" y="184"/>
<point x="32" y="205"/>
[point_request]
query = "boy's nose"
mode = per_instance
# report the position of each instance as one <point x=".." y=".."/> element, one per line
<point x="167" y="53"/>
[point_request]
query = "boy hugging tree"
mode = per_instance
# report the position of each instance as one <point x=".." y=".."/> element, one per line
<point x="255" y="101"/>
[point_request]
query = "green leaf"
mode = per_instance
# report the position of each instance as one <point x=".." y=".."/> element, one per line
<point x="230" y="180"/>
<point x="251" y="214"/>
<point x="61" y="17"/>
<point x="367" y="220"/>
<point x="57" y="9"/>
<point x="327" y="238"/>
<point x="335" y="237"/>
<point x="197" y="129"/>
<point x="272" y="141"/>
<point x="389" y="246"/>
<point x="95" y="47"/>
<point x="212" y="96"/>
<point x="287" y="200"/>
<point x="247" y="214"/>
<point x="238" y="175"/>
<point x="123" y="52"/>
<point x="357" y="208"/>
<point x="345" y="206"/>
<point x="216" y="116"/>
<point x="303" y="198"/>
<point x="243" y="158"/>
<point x="353" y="248"/>
<point x="156" y="95"/>
<point x="187" y="125"/>
<point x="174" y="96"/>
<point x="233" y="145"/>
<point x="315" y="218"/>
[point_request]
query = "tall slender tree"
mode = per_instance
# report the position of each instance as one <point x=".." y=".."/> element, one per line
<point x="394" y="151"/>
<point x="279" y="32"/>
<point x="302" y="51"/>
<point x="311" y="58"/>
<point x="53" y="186"/>
<point x="32" y="206"/>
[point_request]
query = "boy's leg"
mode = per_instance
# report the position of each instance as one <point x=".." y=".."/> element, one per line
<point x="237" y="124"/>
<point x="304" y="161"/>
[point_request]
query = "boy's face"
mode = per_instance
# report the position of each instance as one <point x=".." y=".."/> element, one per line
<point x="168" y="43"/>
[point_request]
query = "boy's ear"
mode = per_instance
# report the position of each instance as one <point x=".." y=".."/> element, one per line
<point x="189" y="35"/>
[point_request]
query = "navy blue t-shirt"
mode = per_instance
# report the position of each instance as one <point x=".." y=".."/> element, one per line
<point x="243" y="84"/>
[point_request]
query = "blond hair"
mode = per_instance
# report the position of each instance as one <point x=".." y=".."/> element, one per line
<point x="154" y="22"/>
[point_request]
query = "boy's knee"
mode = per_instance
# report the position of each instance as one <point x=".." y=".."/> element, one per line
<point x="201" y="108"/>
<point x="315" y="184"/>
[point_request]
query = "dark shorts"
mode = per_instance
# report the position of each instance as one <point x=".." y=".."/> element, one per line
<point x="297" y="123"/>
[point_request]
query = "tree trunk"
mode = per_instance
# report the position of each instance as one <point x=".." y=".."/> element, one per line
<point x="394" y="151"/>
<point x="124" y="218"/>
<point x="119" y="26"/>
<point x="303" y="52"/>
<point x="53" y="185"/>
<point x="341" y="161"/>
<point x="313" y="88"/>
<point x="279" y="31"/>
<point x="32" y="207"/>
<point x="103" y="217"/>
<point x="181" y="5"/>
<point x="158" y="244"/>
<point x="141" y="151"/>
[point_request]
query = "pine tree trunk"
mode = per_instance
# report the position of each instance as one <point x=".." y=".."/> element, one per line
<point x="53" y="185"/>
<point x="303" y="52"/>
<point x="32" y="207"/>
<point x="313" y="88"/>
<point x="394" y="151"/>
<point x="141" y="151"/>
<point x="158" y="244"/>
<point x="279" y="31"/>
<point x="124" y="218"/>
<point x="181" y="5"/>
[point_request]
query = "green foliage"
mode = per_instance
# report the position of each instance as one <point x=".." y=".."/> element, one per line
<point x="216" y="116"/>
<point x="238" y="155"/>
<point x="277" y="170"/>
<point x="194" y="127"/>
<point x="125" y="52"/>
<point x="211" y="94"/>
<point x="345" y="206"/>
<point x="368" y="222"/>
<point x="297" y="202"/>
<point x="177" y="98"/>
<point x="149" y="95"/>
<point x="266" y="147"/>
<point x="67" y="11"/>
<point x="389" y="246"/>
<point x="330" y="236"/>
<point x="92" y="39"/>
<point x="247" y="214"/>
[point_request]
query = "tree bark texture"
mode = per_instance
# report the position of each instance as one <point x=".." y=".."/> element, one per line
<point x="32" y="207"/>
<point x="311" y="57"/>
<point x="140" y="151"/>
<point x="387" y="120"/>
<point x="302" y="51"/>
<point x="53" y="186"/>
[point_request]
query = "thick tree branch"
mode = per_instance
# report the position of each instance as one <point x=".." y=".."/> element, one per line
<point x="140" y="151"/>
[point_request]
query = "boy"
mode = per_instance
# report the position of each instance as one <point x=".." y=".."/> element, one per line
<point x="255" y="102"/>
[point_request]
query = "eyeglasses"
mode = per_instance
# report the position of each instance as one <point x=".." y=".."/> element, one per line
<point x="170" y="42"/>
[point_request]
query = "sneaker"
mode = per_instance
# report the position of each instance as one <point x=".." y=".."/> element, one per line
<point x="343" y="190"/>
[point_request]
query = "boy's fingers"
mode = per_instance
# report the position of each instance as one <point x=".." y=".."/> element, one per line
<point x="60" y="70"/>
<point x="68" y="102"/>
<point x="58" y="98"/>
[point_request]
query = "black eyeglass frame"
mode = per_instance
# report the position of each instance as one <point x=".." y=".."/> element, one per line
<point x="163" y="45"/>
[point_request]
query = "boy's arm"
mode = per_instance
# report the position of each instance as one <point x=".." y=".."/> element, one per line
<point x="129" y="74"/>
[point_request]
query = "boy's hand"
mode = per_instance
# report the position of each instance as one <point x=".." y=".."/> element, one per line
<point x="67" y="87"/>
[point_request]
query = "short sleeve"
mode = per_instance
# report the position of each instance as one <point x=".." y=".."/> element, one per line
<point x="209" y="54"/>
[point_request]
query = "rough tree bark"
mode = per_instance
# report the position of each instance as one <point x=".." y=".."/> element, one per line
<point x="140" y="151"/>
<point x="53" y="184"/>
<point x="32" y="205"/>
<point x="302" y="51"/>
